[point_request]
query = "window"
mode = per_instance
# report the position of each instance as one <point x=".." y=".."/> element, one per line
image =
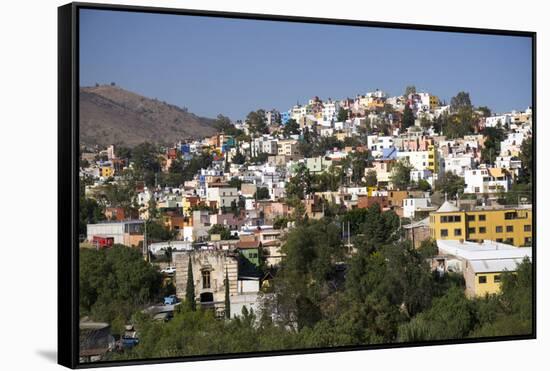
<point x="509" y="228"/>
<point x="496" y="278"/>
<point x="450" y="219"/>
<point x="509" y="241"/>
<point x="482" y="217"/>
<point x="471" y="230"/>
<point x="498" y="229"/>
<point x="527" y="241"/>
<point x="471" y="218"/>
<point x="510" y="215"/>
<point x="482" y="230"/>
<point x="527" y="228"/>
<point x="205" y="279"/>
<point x="444" y="233"/>
<point x="482" y="279"/>
<point x="499" y="239"/>
<point x="458" y="232"/>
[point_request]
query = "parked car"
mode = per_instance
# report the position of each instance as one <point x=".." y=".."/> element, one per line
<point x="169" y="270"/>
<point x="170" y="300"/>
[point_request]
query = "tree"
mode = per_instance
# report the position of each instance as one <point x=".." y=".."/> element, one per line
<point x="262" y="193"/>
<point x="291" y="128"/>
<point x="526" y="157"/>
<point x="238" y="158"/>
<point x="235" y="183"/>
<point x="300" y="184"/>
<point x="450" y="317"/>
<point x="450" y="184"/>
<point x="491" y="147"/>
<point x="371" y="179"/>
<point x="408" y="118"/>
<point x="461" y="102"/>
<point x="423" y="185"/>
<point x="223" y="125"/>
<point x="342" y="115"/>
<point x="411" y="89"/>
<point x="307" y="271"/>
<point x="256" y="122"/>
<point x="190" y="288"/>
<point x="425" y="123"/>
<point x="89" y="212"/>
<point x="401" y="175"/>
<point x="224" y="232"/>
<point x="227" y="302"/>
<point x="485" y="111"/>
<point x="115" y="282"/>
<point x="146" y="164"/>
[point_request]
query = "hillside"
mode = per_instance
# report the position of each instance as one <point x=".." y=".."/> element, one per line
<point x="110" y="114"/>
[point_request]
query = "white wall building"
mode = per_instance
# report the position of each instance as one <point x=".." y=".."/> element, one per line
<point x="491" y="180"/>
<point x="411" y="205"/>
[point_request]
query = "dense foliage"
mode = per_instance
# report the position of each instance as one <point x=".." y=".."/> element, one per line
<point x="115" y="283"/>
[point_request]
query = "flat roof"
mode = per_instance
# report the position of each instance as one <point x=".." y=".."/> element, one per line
<point x="499" y="265"/>
<point x="487" y="250"/>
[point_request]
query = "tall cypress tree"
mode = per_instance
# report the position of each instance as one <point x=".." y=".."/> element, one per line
<point x="227" y="303"/>
<point x="190" y="288"/>
<point x="408" y="118"/>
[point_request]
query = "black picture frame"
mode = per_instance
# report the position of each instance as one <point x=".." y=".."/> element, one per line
<point x="68" y="177"/>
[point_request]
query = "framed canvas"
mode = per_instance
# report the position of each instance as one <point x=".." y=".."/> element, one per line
<point x="241" y="185"/>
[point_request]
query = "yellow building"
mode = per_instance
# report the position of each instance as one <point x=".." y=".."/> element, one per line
<point x="434" y="102"/>
<point x="432" y="159"/>
<point x="106" y="171"/>
<point x="508" y="225"/>
<point x="482" y="264"/>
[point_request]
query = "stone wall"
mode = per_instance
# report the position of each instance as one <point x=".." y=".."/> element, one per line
<point x="214" y="261"/>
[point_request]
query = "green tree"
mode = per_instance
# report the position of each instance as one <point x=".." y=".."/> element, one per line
<point x="256" y="122"/>
<point x="224" y="232"/>
<point x="451" y="184"/>
<point x="401" y="175"/>
<point x="291" y="128"/>
<point x="146" y="163"/>
<point x="461" y="102"/>
<point x="491" y="147"/>
<point x="423" y="185"/>
<point x="300" y="184"/>
<point x="89" y="212"/>
<point x="227" y="302"/>
<point x="526" y="157"/>
<point x="238" y="158"/>
<point x="410" y="89"/>
<point x="371" y="179"/>
<point x="425" y="123"/>
<point x="190" y="288"/>
<point x="262" y="193"/>
<point x="342" y="115"/>
<point x="408" y="118"/>
<point x="451" y="317"/>
<point x="223" y="125"/>
<point x="115" y="282"/>
<point x="485" y="111"/>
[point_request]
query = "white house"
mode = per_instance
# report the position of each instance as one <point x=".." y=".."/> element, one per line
<point x="493" y="121"/>
<point x="411" y="205"/>
<point x="417" y="159"/>
<point x="223" y="196"/>
<point x="491" y="180"/>
<point x="457" y="164"/>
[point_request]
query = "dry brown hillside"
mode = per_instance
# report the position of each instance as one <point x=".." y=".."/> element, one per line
<point x="110" y="114"/>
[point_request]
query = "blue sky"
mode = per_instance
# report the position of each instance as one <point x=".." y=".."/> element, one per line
<point x="228" y="66"/>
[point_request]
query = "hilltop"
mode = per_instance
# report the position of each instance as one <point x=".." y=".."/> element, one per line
<point x="110" y="114"/>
